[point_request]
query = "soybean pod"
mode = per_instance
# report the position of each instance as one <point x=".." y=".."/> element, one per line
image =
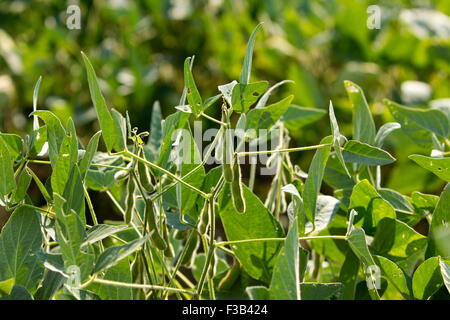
<point x="192" y="246"/>
<point x="180" y="234"/>
<point x="212" y="266"/>
<point x="130" y="200"/>
<point x="155" y="238"/>
<point x="227" y="150"/>
<point x="230" y="278"/>
<point x="237" y="193"/>
<point x="169" y="252"/>
<point x="144" y="176"/>
<point x="204" y="218"/>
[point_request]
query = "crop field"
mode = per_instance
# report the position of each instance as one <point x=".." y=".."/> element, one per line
<point x="225" y="150"/>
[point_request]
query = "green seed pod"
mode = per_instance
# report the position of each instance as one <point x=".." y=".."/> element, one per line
<point x="203" y="218"/>
<point x="144" y="177"/>
<point x="230" y="278"/>
<point x="237" y="193"/>
<point x="192" y="246"/>
<point x="227" y="150"/>
<point x="155" y="238"/>
<point x="169" y="252"/>
<point x="130" y="200"/>
<point x="121" y="174"/>
<point x="137" y="271"/>
<point x="212" y="266"/>
<point x="180" y="234"/>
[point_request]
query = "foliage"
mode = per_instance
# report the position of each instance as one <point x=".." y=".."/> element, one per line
<point x="172" y="209"/>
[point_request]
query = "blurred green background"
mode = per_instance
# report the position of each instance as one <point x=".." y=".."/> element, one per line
<point x="138" y="49"/>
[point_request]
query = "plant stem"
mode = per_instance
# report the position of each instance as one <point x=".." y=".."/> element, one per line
<point x="92" y="164"/>
<point x="213" y="119"/>
<point x="211" y="246"/>
<point x="247" y="153"/>
<point x="187" y="175"/>
<point x="251" y="181"/>
<point x="224" y="243"/>
<point x="46" y="212"/>
<point x="140" y="286"/>
<point x="170" y="174"/>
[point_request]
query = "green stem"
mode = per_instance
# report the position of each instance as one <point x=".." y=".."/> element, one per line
<point x="92" y="164"/>
<point x="141" y="286"/>
<point x="213" y="119"/>
<point x="187" y="175"/>
<point x="170" y="174"/>
<point x="224" y="243"/>
<point x="251" y="182"/>
<point x="212" y="222"/>
<point x="247" y="153"/>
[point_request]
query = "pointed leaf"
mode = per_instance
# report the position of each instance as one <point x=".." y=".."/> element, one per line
<point x="358" y="152"/>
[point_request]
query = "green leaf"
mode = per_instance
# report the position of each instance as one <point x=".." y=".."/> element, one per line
<point x="265" y="118"/>
<point x="55" y="133"/>
<point x="63" y="165"/>
<point x="393" y="274"/>
<point x="357" y="242"/>
<point x="227" y="90"/>
<point x="445" y="271"/>
<point x="257" y="258"/>
<point x="439" y="166"/>
<point x="120" y="272"/>
<point x="258" y="293"/>
<point x="101" y="178"/>
<point x="244" y="95"/>
<point x="294" y="210"/>
<point x="336" y="139"/>
<point x="52" y="282"/>
<point x="312" y="185"/>
<point x="247" y="66"/>
<point x="35" y="101"/>
<point x="173" y="122"/>
<point x="111" y="133"/>
<point x="432" y="120"/>
<point x="40" y="186"/>
<point x="424" y="203"/>
<point x="384" y="131"/>
<point x="18" y="293"/>
<point x="263" y="100"/>
<point x="440" y="221"/>
<point x="7" y="181"/>
<point x="371" y="207"/>
<point x="6" y="287"/>
<point x="321" y="291"/>
<point x="14" y="144"/>
<point x="114" y="254"/>
<point x="37" y="141"/>
<point x="358" y="152"/>
<point x="151" y="149"/>
<point x="193" y="96"/>
<point x="326" y="207"/>
<point x="427" y="279"/>
<point x="363" y="125"/>
<point x="285" y="284"/>
<point x="70" y="235"/>
<point x="20" y="239"/>
<point x="120" y="123"/>
<point x="102" y="231"/>
<point x="22" y="186"/>
<point x="296" y="117"/>
<point x="398" y="242"/>
<point x="349" y="275"/>
<point x="91" y="149"/>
